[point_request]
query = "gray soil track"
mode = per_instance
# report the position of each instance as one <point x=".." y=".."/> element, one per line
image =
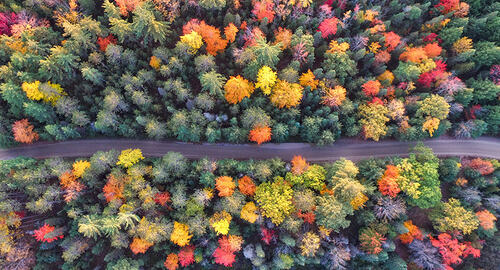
<point x="352" y="149"/>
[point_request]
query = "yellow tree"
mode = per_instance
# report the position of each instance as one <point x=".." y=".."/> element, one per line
<point x="286" y="94"/>
<point x="431" y="124"/>
<point x="129" y="157"/>
<point x="373" y="118"/>
<point x="308" y="79"/>
<point x="180" y="235"/>
<point x="193" y="40"/>
<point x="237" y="88"/>
<point x="48" y="92"/>
<point x="79" y="167"/>
<point x="249" y="212"/>
<point x="220" y="222"/>
<point x="266" y="78"/>
<point x="31" y="90"/>
<point x="434" y="109"/>
<point x="155" y="62"/>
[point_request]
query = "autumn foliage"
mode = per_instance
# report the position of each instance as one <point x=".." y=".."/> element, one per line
<point x="23" y="131"/>
<point x="388" y="185"/>
<point x="237" y="88"/>
<point x="334" y="96"/>
<point x="139" y="245"/>
<point x="371" y="88"/>
<point x="484" y="167"/>
<point x="308" y="79"/>
<point x="246" y="185"/>
<point x="180" y="235"/>
<point x="225" y="185"/>
<point x="452" y="250"/>
<point x="230" y="32"/>
<point x="71" y="186"/>
<point x="371" y="241"/>
<point x="264" y="9"/>
<point x="392" y="40"/>
<point x="224" y="257"/>
<point x="260" y="134"/>
<point x="486" y="219"/>
<point x="162" y="198"/>
<point x="432" y="50"/>
<point x="328" y="27"/>
<point x="186" y="256"/>
<point x="413" y="233"/>
<point x="47" y="234"/>
<point x="286" y="94"/>
<point x="414" y="55"/>
<point x="172" y="261"/>
<point x="299" y="165"/>
<point x="103" y="42"/>
<point x="211" y="35"/>
<point x="114" y="188"/>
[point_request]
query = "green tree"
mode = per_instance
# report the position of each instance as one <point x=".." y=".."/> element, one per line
<point x="254" y="117"/>
<point x="60" y="65"/>
<point x="433" y="106"/>
<point x="332" y="214"/>
<point x="420" y="181"/>
<point x="213" y="83"/>
<point x="485" y="91"/>
<point x="213" y="4"/>
<point x="147" y="26"/>
<point x="172" y="165"/>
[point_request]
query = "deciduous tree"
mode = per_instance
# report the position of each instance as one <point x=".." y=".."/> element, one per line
<point x="23" y="131"/>
<point x="237" y="88"/>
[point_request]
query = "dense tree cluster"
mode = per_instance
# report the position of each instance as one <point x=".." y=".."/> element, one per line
<point x="119" y="210"/>
<point x="196" y="70"/>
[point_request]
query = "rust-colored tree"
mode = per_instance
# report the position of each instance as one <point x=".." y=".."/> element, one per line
<point x="23" y="131"/>
<point x="113" y="188"/>
<point x="484" y="167"/>
<point x="246" y="186"/>
<point x="172" y="261"/>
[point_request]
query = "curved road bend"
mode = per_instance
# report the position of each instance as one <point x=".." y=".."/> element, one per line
<point x="349" y="148"/>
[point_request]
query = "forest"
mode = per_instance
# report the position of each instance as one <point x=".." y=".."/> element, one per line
<point x="248" y="71"/>
<point x="118" y="210"/>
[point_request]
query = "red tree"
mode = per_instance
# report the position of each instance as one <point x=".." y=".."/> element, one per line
<point x="328" y="27"/>
<point x="104" y="42"/>
<point x="453" y="251"/>
<point x="186" y="256"/>
<point x="47" y="234"/>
